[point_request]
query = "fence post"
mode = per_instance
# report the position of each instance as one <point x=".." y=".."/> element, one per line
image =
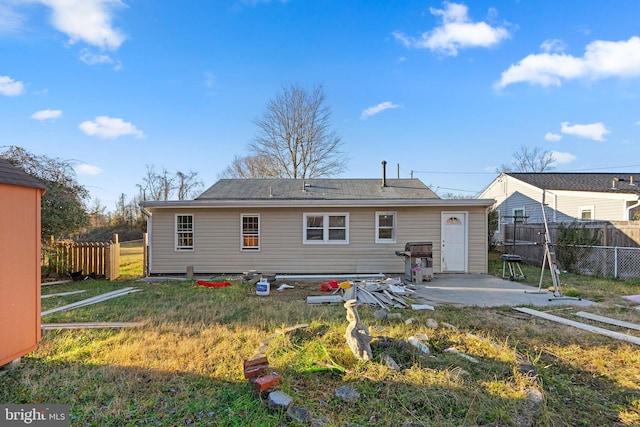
<point x="114" y="249"/>
<point x="615" y="262"/>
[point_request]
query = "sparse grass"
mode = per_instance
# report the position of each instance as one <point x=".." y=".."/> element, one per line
<point x="131" y="259"/>
<point x="185" y="365"/>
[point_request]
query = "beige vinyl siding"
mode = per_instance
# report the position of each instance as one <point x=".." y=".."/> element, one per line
<point x="610" y="209"/>
<point x="217" y="245"/>
<point x="478" y="241"/>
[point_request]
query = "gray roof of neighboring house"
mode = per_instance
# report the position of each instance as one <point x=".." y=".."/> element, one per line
<point x="12" y="175"/>
<point x="317" y="189"/>
<point x="620" y="182"/>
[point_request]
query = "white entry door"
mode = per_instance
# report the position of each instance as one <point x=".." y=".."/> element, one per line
<point x="454" y="242"/>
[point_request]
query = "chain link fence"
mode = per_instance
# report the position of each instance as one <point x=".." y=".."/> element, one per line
<point x="607" y="261"/>
<point x="601" y="261"/>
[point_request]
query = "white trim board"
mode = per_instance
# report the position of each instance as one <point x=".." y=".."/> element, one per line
<point x="92" y="300"/>
<point x="608" y="320"/>
<point x="89" y="325"/>
<point x="62" y="294"/>
<point x="601" y="331"/>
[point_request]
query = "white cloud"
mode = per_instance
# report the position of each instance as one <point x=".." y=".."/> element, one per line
<point x="10" y="87"/>
<point x="457" y="31"/>
<point x="87" y="20"/>
<point x="47" y="114"/>
<point x="372" y="111"/>
<point x="553" y="45"/>
<point x="91" y="58"/>
<point x="595" y="131"/>
<point x="86" y="169"/>
<point x="562" y="158"/>
<point x="109" y="127"/>
<point x="10" y="20"/>
<point x="602" y="59"/>
<point x="552" y="136"/>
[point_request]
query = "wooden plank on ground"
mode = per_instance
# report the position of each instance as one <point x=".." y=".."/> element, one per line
<point x="89" y="325"/>
<point x="92" y="300"/>
<point x="608" y="320"/>
<point x="594" y="329"/>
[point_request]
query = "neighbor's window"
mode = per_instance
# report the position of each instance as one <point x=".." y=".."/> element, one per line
<point x="519" y="215"/>
<point x="586" y="213"/>
<point x="184" y="232"/>
<point x="326" y="228"/>
<point x="250" y="237"/>
<point x="385" y="227"/>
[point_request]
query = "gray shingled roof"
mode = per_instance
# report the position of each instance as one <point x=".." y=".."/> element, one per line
<point x="599" y="182"/>
<point x="317" y="189"/>
<point x="11" y="175"/>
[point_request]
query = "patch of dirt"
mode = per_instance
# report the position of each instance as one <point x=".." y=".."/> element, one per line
<point x="301" y="290"/>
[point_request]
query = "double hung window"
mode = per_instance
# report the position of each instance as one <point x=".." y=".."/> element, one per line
<point x="184" y="232"/>
<point x="321" y="228"/>
<point x="250" y="234"/>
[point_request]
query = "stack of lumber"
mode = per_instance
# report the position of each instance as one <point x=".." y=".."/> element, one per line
<point x="384" y="293"/>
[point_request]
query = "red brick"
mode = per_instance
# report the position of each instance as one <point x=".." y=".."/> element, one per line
<point x="255" y="367"/>
<point x="267" y="382"/>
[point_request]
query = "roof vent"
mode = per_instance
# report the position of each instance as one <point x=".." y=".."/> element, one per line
<point x="614" y="182"/>
<point x="384" y="173"/>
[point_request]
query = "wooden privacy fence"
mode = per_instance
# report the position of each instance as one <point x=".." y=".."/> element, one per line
<point x="93" y="258"/>
<point x="613" y="233"/>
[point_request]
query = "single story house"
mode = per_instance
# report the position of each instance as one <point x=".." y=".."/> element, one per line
<point x="314" y="226"/>
<point x="567" y="197"/>
<point x="20" y="274"/>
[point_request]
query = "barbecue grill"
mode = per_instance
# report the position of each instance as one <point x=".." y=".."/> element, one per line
<point x="417" y="254"/>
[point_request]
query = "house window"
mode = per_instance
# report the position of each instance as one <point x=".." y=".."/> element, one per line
<point x="385" y="227"/>
<point x="184" y="232"/>
<point x="586" y="213"/>
<point x="519" y="215"/>
<point x="250" y="234"/>
<point x="326" y="228"/>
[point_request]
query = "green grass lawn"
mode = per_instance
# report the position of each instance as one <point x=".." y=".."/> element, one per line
<point x="184" y="366"/>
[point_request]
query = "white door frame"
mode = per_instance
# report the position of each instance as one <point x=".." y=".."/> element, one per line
<point x="464" y="216"/>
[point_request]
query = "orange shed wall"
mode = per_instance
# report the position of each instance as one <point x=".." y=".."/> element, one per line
<point x="19" y="271"/>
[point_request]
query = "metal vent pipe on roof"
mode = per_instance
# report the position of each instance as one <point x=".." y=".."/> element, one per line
<point x="384" y="173"/>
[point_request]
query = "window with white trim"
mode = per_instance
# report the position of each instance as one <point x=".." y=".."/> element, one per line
<point x="321" y="228"/>
<point x="250" y="232"/>
<point x="586" y="213"/>
<point x="385" y="227"/>
<point x="519" y="215"/>
<point x="184" y="232"/>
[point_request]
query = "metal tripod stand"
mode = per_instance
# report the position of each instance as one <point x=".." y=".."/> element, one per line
<point x="550" y="259"/>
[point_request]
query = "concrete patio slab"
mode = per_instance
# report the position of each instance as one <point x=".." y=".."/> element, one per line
<point x="483" y="290"/>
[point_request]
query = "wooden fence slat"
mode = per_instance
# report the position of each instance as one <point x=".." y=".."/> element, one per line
<point x="98" y="258"/>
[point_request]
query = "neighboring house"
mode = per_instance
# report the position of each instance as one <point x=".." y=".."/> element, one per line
<point x="19" y="262"/>
<point x="567" y="196"/>
<point x="314" y="226"/>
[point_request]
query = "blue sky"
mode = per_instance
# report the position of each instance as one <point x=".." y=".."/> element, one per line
<point x="449" y="90"/>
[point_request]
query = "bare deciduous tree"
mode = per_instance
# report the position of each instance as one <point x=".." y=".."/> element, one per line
<point x="295" y="136"/>
<point x="250" y="167"/>
<point x="530" y="160"/>
<point x="161" y="186"/>
<point x="188" y="184"/>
